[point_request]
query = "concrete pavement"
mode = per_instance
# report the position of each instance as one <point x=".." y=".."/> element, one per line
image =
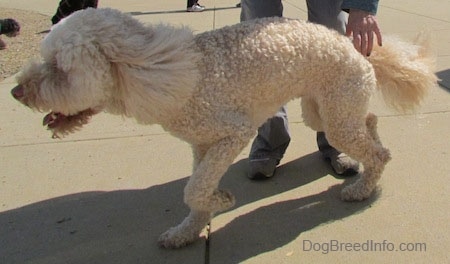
<point x="104" y="195"/>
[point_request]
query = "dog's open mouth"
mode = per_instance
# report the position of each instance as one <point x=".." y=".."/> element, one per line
<point x="52" y="119"/>
<point x="61" y="124"/>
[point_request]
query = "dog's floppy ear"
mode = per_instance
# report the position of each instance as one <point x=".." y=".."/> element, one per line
<point x="85" y="57"/>
<point x="68" y="57"/>
<point x="84" y="70"/>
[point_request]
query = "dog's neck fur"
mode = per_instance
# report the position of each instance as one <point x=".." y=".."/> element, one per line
<point x="166" y="80"/>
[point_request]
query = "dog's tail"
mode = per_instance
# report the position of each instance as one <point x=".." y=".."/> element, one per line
<point x="404" y="71"/>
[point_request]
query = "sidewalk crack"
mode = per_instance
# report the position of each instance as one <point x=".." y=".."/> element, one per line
<point x="207" y="242"/>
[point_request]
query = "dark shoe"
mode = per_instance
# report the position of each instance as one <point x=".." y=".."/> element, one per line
<point x="9" y="27"/>
<point x="262" y="168"/>
<point x="341" y="163"/>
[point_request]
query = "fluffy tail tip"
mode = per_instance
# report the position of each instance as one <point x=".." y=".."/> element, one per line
<point x="405" y="71"/>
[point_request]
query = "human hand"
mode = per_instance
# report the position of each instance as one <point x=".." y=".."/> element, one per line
<point x="362" y="26"/>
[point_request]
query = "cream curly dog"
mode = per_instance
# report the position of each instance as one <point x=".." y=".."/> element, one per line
<point x="215" y="89"/>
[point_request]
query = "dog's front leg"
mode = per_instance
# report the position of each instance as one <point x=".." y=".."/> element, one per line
<point x="201" y="193"/>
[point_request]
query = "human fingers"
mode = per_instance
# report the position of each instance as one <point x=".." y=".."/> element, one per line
<point x="364" y="43"/>
<point x="370" y="40"/>
<point x="357" y="40"/>
<point x="379" y="37"/>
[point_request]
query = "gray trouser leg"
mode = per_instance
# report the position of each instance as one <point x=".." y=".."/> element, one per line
<point x="273" y="136"/>
<point x="329" y="14"/>
<point x="272" y="139"/>
<point x="251" y="9"/>
<point x="324" y="147"/>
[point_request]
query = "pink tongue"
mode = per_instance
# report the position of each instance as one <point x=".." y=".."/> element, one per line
<point x="51" y="118"/>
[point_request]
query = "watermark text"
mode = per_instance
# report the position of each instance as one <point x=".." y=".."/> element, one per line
<point x="366" y="246"/>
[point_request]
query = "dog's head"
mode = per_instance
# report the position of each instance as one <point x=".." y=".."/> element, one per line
<point x="70" y="82"/>
<point x="102" y="59"/>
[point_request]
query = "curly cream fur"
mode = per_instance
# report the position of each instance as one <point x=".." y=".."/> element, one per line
<point x="215" y="89"/>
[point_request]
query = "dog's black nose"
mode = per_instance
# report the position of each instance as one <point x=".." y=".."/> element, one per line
<point x="17" y="92"/>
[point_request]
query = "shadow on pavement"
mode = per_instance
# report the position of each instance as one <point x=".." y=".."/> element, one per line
<point x="270" y="227"/>
<point x="123" y="226"/>
<point x="444" y="77"/>
<point x="97" y="227"/>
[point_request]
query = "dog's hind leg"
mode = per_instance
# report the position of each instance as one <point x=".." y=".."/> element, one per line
<point x="358" y="138"/>
<point x="201" y="193"/>
<point x="371" y="124"/>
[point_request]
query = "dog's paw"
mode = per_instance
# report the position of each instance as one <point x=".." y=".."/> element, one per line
<point x="187" y="232"/>
<point x="356" y="192"/>
<point x="176" y="237"/>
